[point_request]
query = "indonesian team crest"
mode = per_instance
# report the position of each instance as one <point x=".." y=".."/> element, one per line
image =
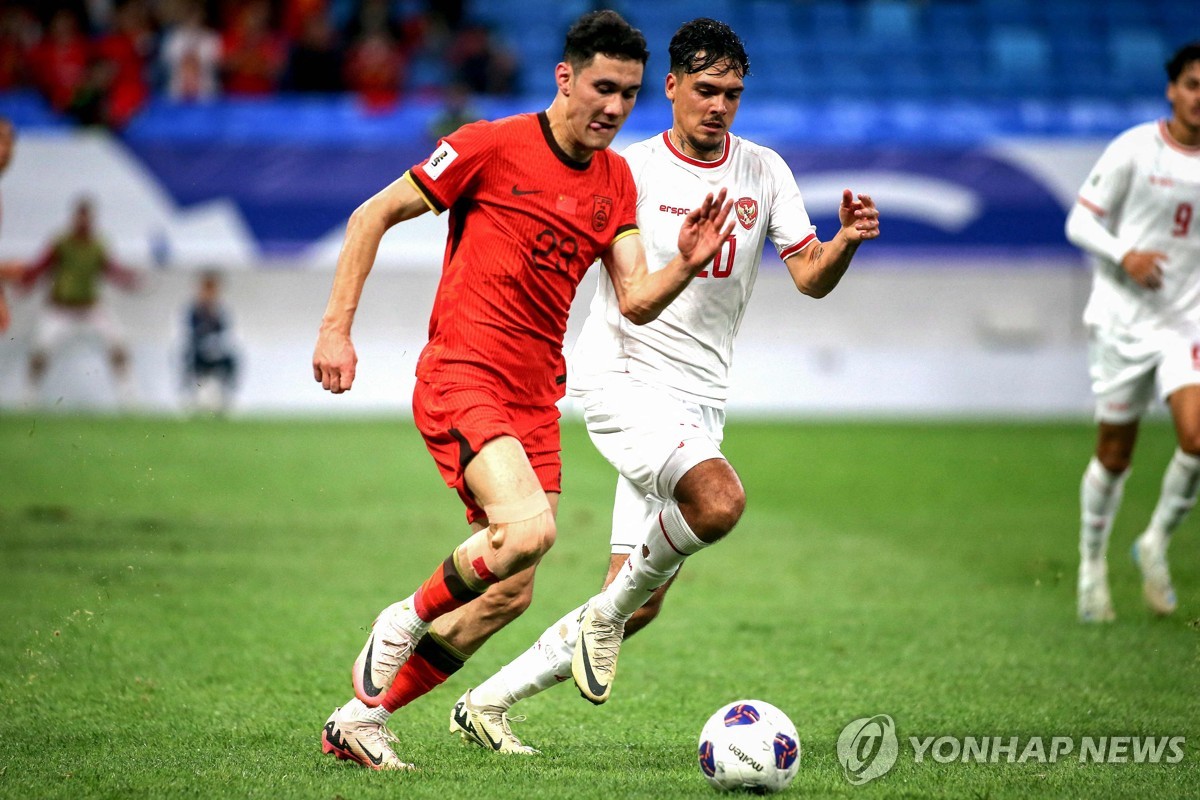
<point x="746" y="209"/>
<point x="601" y="212"/>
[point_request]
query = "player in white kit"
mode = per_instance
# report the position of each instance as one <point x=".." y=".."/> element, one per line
<point x="654" y="395"/>
<point x="1138" y="214"/>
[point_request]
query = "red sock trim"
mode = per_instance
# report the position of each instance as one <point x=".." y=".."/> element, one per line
<point x="662" y="527"/>
<point x="442" y="592"/>
<point x="415" y="678"/>
<point x="427" y="668"/>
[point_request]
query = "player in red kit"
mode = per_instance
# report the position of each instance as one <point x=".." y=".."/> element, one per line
<point x="534" y="200"/>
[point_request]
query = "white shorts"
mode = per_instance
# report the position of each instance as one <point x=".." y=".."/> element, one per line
<point x="58" y="323"/>
<point x="1126" y="372"/>
<point x="652" y="439"/>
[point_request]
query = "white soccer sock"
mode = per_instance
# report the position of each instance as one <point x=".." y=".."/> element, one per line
<point x="545" y="664"/>
<point x="668" y="542"/>
<point x="1180" y="485"/>
<point x="379" y="714"/>
<point x="1099" y="498"/>
<point x="359" y="710"/>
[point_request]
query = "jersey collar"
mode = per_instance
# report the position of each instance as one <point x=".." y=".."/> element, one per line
<point x="1165" y="133"/>
<point x="696" y="162"/>
<point x="559" y="153"/>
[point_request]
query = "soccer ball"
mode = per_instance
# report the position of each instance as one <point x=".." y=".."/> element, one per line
<point x="749" y="745"/>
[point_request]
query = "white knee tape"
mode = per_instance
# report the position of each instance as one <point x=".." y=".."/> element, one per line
<point x="517" y="510"/>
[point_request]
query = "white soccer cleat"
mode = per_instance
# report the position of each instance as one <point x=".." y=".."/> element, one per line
<point x="487" y="727"/>
<point x="351" y="734"/>
<point x="1095" y="602"/>
<point x="388" y="647"/>
<point x="1150" y="554"/>
<point x="594" y="663"/>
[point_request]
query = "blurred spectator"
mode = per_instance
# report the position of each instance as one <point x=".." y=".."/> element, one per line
<point x="7" y="271"/>
<point x="456" y="112"/>
<point x="315" y="62"/>
<point x="58" y="63"/>
<point x="381" y="16"/>
<point x="375" y="67"/>
<point x="210" y="363"/>
<point x="19" y="32"/>
<point x="128" y="48"/>
<point x="253" y="55"/>
<point x="191" y="56"/>
<point x="295" y="15"/>
<point x="92" y="98"/>
<point x="75" y="262"/>
<point x="480" y="63"/>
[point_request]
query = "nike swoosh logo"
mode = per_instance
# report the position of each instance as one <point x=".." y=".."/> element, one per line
<point x="519" y="192"/>
<point x="495" y="745"/>
<point x="374" y="759"/>
<point x="460" y="716"/>
<point x="369" y="687"/>
<point x="597" y="689"/>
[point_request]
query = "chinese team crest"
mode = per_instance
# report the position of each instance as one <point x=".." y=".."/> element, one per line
<point x="601" y="212"/>
<point x="747" y="211"/>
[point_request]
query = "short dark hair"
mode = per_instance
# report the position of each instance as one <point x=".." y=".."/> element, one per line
<point x="605" y="33"/>
<point x="703" y="43"/>
<point x="1185" y="55"/>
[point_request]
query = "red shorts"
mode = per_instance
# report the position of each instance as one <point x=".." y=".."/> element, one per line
<point x="456" y="421"/>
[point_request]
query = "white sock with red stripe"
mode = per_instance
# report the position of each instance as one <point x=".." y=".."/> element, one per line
<point x="651" y="564"/>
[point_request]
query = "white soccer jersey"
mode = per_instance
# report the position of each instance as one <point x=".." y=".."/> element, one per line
<point x="689" y="348"/>
<point x="1146" y="189"/>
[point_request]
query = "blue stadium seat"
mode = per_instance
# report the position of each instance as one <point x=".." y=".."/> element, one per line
<point x="1080" y="68"/>
<point x="1138" y="55"/>
<point x="890" y="20"/>
<point x="1123" y="13"/>
<point x="833" y="20"/>
<point x="1009" y="12"/>
<point x="1020" y="60"/>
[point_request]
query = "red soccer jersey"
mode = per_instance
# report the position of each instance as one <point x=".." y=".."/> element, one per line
<point x="526" y="222"/>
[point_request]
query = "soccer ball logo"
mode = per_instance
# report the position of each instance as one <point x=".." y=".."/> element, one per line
<point x="749" y="745"/>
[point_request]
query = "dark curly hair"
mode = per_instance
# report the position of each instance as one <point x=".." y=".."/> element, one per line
<point x="1184" y="56"/>
<point x="703" y="43"/>
<point x="606" y="33"/>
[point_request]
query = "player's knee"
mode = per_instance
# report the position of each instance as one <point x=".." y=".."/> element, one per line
<point x="523" y="543"/>
<point x="716" y="514"/>
<point x="1189" y="442"/>
<point x="1115" y="460"/>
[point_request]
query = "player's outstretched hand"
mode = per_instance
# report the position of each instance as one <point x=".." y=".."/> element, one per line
<point x="334" y="361"/>
<point x="859" y="218"/>
<point x="1145" y="267"/>
<point x="704" y="230"/>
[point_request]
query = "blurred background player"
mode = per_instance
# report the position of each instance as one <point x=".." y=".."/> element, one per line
<point x="74" y="265"/>
<point x="535" y="200"/>
<point x="654" y="395"/>
<point x="210" y="362"/>
<point x="1137" y="214"/>
<point x="8" y="272"/>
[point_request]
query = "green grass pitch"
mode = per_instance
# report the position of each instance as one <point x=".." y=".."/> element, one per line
<point x="182" y="601"/>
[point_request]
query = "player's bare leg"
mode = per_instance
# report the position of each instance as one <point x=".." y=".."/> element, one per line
<point x="709" y="500"/>
<point x="547" y="663"/>
<point x="520" y="529"/>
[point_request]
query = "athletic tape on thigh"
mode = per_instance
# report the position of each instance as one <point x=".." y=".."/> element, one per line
<point x="517" y="510"/>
